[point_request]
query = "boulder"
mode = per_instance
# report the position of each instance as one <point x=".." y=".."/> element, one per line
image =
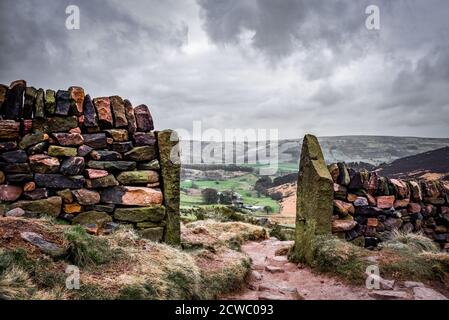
<point x="401" y="188"/>
<point x="361" y="201"/>
<point x="154" y="213"/>
<point x="32" y="139"/>
<point x="343" y="175"/>
<point x="50" y="206"/>
<point x="369" y="211"/>
<point x="50" y="102"/>
<point x="28" y="104"/>
<point x="45" y="246"/>
<point x="58" y="181"/>
<point x="143" y="118"/>
<point x="77" y="100"/>
<point x="39" y="106"/>
<point x="152" y="234"/>
<point x="118" y="111"/>
<point x="55" y="124"/>
<point x="15" y="167"/>
<point x="17" y="156"/>
<point x="42" y="163"/>
<point x="112" y="165"/>
<point x="90" y="115"/>
<point x="69" y="139"/>
<point x="423" y="293"/>
<point x="122" y="147"/>
<point x="29" y="186"/>
<point x="103" y="107"/>
<point x="72" y="208"/>
<point x="12" y="107"/>
<point x="138" y="177"/>
<point x="151" y="165"/>
<point x="19" y="178"/>
<point x="401" y="203"/>
<point x="334" y="171"/>
<point x="132" y="196"/>
<point x="37" y="194"/>
<point x="144" y="139"/>
<point x="96" y="173"/>
<point x="72" y="166"/>
<point x="103" y="182"/>
<point x="105" y="155"/>
<point x="9" y="129"/>
<point x="16" y="212"/>
<point x="130" y="117"/>
<point x="63" y="103"/>
<point x="343" y="208"/>
<point x="143" y="153"/>
<point x="343" y="225"/>
<point x="415" y="191"/>
<point x="385" y="202"/>
<point x="118" y="135"/>
<point x="39" y="148"/>
<point x="84" y="150"/>
<point x="92" y="217"/>
<point x="58" y="151"/>
<point x="96" y="140"/>
<point x="86" y="197"/>
<point x="10" y="192"/>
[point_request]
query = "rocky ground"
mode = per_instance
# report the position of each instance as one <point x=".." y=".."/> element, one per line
<point x="273" y="277"/>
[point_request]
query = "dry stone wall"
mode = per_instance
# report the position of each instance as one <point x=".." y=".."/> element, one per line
<point x="368" y="207"/>
<point x="95" y="162"/>
<point x="364" y="207"/>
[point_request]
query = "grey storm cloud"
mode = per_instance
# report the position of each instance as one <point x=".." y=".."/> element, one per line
<point x="296" y="65"/>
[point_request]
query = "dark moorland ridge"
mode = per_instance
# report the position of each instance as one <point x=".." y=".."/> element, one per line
<point x="435" y="161"/>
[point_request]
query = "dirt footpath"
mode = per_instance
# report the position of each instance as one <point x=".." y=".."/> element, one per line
<point x="274" y="277"/>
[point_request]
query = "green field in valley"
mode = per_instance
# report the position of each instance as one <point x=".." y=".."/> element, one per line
<point x="243" y="185"/>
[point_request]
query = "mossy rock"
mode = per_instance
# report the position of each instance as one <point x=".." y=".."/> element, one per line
<point x="92" y="217"/>
<point x="151" y="213"/>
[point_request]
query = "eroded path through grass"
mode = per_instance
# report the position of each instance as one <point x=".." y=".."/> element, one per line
<point x="273" y="277"/>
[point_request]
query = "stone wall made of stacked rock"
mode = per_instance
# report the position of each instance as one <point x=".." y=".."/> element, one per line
<point x="96" y="162"/>
<point x="368" y="207"/>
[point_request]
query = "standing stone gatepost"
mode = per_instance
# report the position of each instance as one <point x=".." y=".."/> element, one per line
<point x="314" y="191"/>
<point x="169" y="158"/>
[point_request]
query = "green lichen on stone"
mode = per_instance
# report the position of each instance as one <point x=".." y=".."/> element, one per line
<point x="57" y="151"/>
<point x="153" y="213"/>
<point x="169" y="160"/>
<point x="92" y="217"/>
<point x="315" y="191"/>
<point x="55" y="124"/>
<point x="153" y="234"/>
<point x="138" y="177"/>
<point x="50" y="206"/>
<point x="144" y="153"/>
<point x="50" y="102"/>
<point x="32" y="139"/>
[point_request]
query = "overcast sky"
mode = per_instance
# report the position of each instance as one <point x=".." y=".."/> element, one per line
<point x="296" y="65"/>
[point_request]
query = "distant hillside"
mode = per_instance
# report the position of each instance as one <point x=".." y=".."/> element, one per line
<point x="431" y="162"/>
<point x="374" y="150"/>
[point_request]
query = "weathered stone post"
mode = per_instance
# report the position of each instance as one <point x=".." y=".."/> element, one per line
<point x="168" y="142"/>
<point x="315" y="190"/>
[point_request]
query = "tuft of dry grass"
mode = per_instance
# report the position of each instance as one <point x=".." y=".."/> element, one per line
<point x="124" y="266"/>
<point x="213" y="234"/>
<point x="15" y="283"/>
